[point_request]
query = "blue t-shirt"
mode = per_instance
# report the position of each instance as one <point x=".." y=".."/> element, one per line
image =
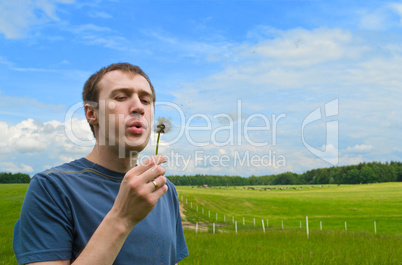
<point x="64" y="206"/>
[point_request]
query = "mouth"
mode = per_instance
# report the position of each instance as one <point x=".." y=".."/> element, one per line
<point x="136" y="127"/>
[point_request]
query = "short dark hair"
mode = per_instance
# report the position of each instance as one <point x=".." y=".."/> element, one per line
<point x="90" y="93"/>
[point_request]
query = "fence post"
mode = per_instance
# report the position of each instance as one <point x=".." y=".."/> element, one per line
<point x="307" y="226"/>
<point x="196" y="228"/>
<point x="263" y="227"/>
<point x="320" y="225"/>
<point x="346" y="227"/>
<point x="236" y="227"/>
<point x="213" y="229"/>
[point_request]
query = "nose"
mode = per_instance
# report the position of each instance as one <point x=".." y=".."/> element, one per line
<point x="136" y="106"/>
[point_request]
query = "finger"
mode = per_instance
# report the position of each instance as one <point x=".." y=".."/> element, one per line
<point x="152" y="173"/>
<point x="149" y="163"/>
<point x="160" y="191"/>
<point x="157" y="183"/>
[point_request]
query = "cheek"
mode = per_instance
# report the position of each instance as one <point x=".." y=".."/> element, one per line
<point x="149" y="116"/>
<point x="115" y="120"/>
<point x="117" y="110"/>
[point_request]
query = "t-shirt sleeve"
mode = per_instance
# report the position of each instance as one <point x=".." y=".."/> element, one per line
<point x="181" y="246"/>
<point x="44" y="230"/>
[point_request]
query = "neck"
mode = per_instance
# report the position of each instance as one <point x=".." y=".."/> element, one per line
<point x="111" y="159"/>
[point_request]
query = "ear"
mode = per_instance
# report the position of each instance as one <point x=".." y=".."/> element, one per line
<point x="91" y="113"/>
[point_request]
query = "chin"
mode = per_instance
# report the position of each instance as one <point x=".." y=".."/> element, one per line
<point x="136" y="145"/>
<point x="128" y="151"/>
<point x="131" y="144"/>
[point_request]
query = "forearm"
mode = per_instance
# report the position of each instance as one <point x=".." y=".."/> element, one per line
<point x="106" y="242"/>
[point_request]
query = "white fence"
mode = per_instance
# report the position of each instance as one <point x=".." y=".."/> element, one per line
<point x="264" y="222"/>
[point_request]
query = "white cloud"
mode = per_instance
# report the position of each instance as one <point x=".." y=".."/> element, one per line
<point x="18" y="16"/>
<point x="99" y="14"/>
<point x="11" y="167"/>
<point x="213" y="49"/>
<point x="29" y="145"/>
<point x="382" y="17"/>
<point x="259" y="72"/>
<point x="363" y="148"/>
<point x="20" y="106"/>
<point x="351" y="160"/>
<point x="373" y="21"/>
<point x="397" y="8"/>
<point x="89" y="28"/>
<point x="302" y="47"/>
<point x="112" y="42"/>
<point x="34" y="144"/>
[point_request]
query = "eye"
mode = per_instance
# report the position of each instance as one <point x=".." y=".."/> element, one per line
<point x="120" y="97"/>
<point x="145" y="101"/>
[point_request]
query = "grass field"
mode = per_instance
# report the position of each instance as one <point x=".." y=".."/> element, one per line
<point x="11" y="198"/>
<point x="332" y="205"/>
<point x="292" y="247"/>
<point x="358" y="205"/>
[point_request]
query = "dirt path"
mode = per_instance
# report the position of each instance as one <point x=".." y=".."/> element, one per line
<point x="188" y="225"/>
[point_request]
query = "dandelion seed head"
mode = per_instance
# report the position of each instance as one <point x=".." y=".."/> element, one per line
<point x="163" y="125"/>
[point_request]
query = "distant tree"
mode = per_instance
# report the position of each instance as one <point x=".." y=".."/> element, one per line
<point x="367" y="175"/>
<point x="351" y="174"/>
<point x="8" y="177"/>
<point x="322" y="177"/>
<point x="283" y="179"/>
<point x="399" y="171"/>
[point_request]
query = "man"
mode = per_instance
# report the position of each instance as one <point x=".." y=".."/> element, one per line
<point x="100" y="209"/>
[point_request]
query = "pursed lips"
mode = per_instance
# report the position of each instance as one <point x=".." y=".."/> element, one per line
<point x="136" y="127"/>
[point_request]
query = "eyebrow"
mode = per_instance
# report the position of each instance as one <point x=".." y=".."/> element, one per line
<point x="130" y="91"/>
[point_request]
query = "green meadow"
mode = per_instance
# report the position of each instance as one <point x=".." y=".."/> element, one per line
<point x="11" y="198"/>
<point x="357" y="205"/>
<point x="328" y="243"/>
<point x="292" y="247"/>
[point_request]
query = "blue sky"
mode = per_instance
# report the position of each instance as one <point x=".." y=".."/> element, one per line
<point x="252" y="87"/>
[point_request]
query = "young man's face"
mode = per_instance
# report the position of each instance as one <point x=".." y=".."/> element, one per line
<point x="126" y="107"/>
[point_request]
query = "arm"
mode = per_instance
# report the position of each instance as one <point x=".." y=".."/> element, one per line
<point x="136" y="192"/>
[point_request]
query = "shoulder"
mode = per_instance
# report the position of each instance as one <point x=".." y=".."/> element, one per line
<point x="59" y="175"/>
<point x="73" y="167"/>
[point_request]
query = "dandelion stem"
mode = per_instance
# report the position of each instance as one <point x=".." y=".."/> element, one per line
<point x="163" y="126"/>
<point x="157" y="142"/>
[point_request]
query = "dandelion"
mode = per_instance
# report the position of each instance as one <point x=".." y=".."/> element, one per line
<point x="163" y="126"/>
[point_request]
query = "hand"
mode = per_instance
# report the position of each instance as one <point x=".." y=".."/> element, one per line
<point x="138" y="194"/>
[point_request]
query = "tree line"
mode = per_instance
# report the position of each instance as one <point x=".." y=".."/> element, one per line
<point x="7" y="177"/>
<point x="371" y="172"/>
